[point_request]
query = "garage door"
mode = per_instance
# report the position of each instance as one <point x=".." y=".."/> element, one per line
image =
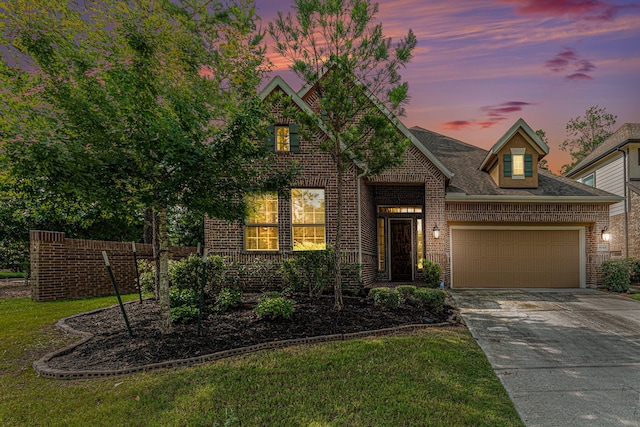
<point x="523" y="258"/>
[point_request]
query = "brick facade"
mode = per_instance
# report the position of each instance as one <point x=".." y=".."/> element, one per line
<point x="417" y="182"/>
<point x="64" y="268"/>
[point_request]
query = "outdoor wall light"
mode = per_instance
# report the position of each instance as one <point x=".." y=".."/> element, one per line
<point x="605" y="234"/>
<point x="436" y="232"/>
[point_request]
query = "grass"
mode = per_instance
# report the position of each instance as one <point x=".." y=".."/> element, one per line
<point x="12" y="275"/>
<point x="435" y="377"/>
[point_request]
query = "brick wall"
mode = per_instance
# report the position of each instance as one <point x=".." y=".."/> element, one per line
<point x="64" y="268"/>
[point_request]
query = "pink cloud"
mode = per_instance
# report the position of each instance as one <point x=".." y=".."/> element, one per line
<point x="457" y="124"/>
<point x="498" y="111"/>
<point x="578" y="76"/>
<point x="568" y="58"/>
<point x="588" y="10"/>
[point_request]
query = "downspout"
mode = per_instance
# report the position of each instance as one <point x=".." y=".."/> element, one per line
<point x="360" y="176"/>
<point x="626" y="201"/>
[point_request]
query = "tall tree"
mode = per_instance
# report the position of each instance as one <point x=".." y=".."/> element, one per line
<point x="335" y="47"/>
<point x="585" y="134"/>
<point x="543" y="164"/>
<point x="150" y="102"/>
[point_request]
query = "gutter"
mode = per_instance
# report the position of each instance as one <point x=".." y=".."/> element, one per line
<point x="600" y="157"/>
<point x="465" y="198"/>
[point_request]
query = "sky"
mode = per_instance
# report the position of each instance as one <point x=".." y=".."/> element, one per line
<point x="481" y="65"/>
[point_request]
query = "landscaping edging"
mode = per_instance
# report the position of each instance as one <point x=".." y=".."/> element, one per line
<point x="42" y="368"/>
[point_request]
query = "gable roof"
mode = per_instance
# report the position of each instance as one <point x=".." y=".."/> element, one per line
<point x="535" y="141"/>
<point x="474" y="185"/>
<point x="297" y="98"/>
<point x="628" y="132"/>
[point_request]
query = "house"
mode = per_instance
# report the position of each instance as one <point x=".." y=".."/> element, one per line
<point x="489" y="218"/>
<point x="614" y="166"/>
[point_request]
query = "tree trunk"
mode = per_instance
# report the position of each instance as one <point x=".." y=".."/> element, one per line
<point x="163" y="287"/>
<point x="148" y="229"/>
<point x="337" y="284"/>
<point x="156" y="252"/>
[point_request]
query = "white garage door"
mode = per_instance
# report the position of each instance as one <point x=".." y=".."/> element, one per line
<point x="515" y="258"/>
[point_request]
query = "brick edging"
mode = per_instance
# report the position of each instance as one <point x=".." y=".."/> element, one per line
<point x="42" y="368"/>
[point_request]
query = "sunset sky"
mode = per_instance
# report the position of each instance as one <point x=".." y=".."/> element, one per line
<point x="482" y="64"/>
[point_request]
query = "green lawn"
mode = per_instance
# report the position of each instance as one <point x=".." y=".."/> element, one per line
<point x="437" y="377"/>
<point x="11" y="274"/>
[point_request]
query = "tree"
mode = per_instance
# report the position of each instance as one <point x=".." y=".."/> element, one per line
<point x="334" y="47"/>
<point x="543" y="164"/>
<point x="148" y="103"/>
<point x="585" y="134"/>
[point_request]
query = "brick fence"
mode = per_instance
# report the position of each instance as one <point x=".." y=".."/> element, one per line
<point x="64" y="268"/>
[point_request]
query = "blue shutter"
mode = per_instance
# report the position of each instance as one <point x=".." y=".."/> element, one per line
<point x="528" y="165"/>
<point x="270" y="139"/>
<point x="294" y="140"/>
<point x="507" y="164"/>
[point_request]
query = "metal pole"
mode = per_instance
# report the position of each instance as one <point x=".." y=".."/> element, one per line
<point x="135" y="262"/>
<point x="115" y="288"/>
<point x="204" y="280"/>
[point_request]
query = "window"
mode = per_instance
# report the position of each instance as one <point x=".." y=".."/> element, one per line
<point x="400" y="209"/>
<point x="420" y="242"/>
<point x="308" y="219"/>
<point x="282" y="138"/>
<point x="518" y="164"/>
<point x="261" y="230"/>
<point x="589" y="180"/>
<point x="381" y="253"/>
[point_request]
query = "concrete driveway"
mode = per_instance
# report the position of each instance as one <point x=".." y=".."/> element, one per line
<point x="566" y="357"/>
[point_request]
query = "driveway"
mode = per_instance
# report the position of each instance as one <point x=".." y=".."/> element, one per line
<point x="566" y="357"/>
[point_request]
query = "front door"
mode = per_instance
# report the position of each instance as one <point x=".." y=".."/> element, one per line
<point x="401" y="265"/>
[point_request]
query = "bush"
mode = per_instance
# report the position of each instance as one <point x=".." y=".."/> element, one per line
<point x="274" y="308"/>
<point x="406" y="291"/>
<point x="184" y="314"/>
<point x="616" y="275"/>
<point x="228" y="298"/>
<point x="385" y="297"/>
<point x="184" y="304"/>
<point x="431" y="273"/>
<point x="635" y="270"/>
<point x="430" y="299"/>
<point x="316" y="269"/>
<point x="291" y="275"/>
<point x="146" y="270"/>
<point x="263" y="271"/>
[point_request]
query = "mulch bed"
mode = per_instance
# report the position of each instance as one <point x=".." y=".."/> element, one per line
<point x="112" y="348"/>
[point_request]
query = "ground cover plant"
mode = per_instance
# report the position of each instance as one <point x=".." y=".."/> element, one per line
<point x="434" y="377"/>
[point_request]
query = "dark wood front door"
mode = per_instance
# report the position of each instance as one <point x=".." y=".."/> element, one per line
<point x="401" y="265"/>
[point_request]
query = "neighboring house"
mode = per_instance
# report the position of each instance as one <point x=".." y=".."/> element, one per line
<point x="614" y="166"/>
<point x="490" y="219"/>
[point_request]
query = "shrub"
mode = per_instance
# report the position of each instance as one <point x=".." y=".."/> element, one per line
<point x="316" y="269"/>
<point x="146" y="270"/>
<point x="263" y="271"/>
<point x="431" y="299"/>
<point x="385" y="297"/>
<point x="635" y="269"/>
<point x="274" y="308"/>
<point x="431" y="272"/>
<point x="616" y="275"/>
<point x="228" y="298"/>
<point x="291" y="275"/>
<point x="406" y="291"/>
<point x="184" y="304"/>
<point x="184" y="314"/>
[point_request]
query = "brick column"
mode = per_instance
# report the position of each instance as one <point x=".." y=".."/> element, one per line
<point x="48" y="265"/>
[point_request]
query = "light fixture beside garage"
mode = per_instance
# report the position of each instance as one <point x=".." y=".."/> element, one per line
<point x="436" y="231"/>
<point x="605" y="234"/>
